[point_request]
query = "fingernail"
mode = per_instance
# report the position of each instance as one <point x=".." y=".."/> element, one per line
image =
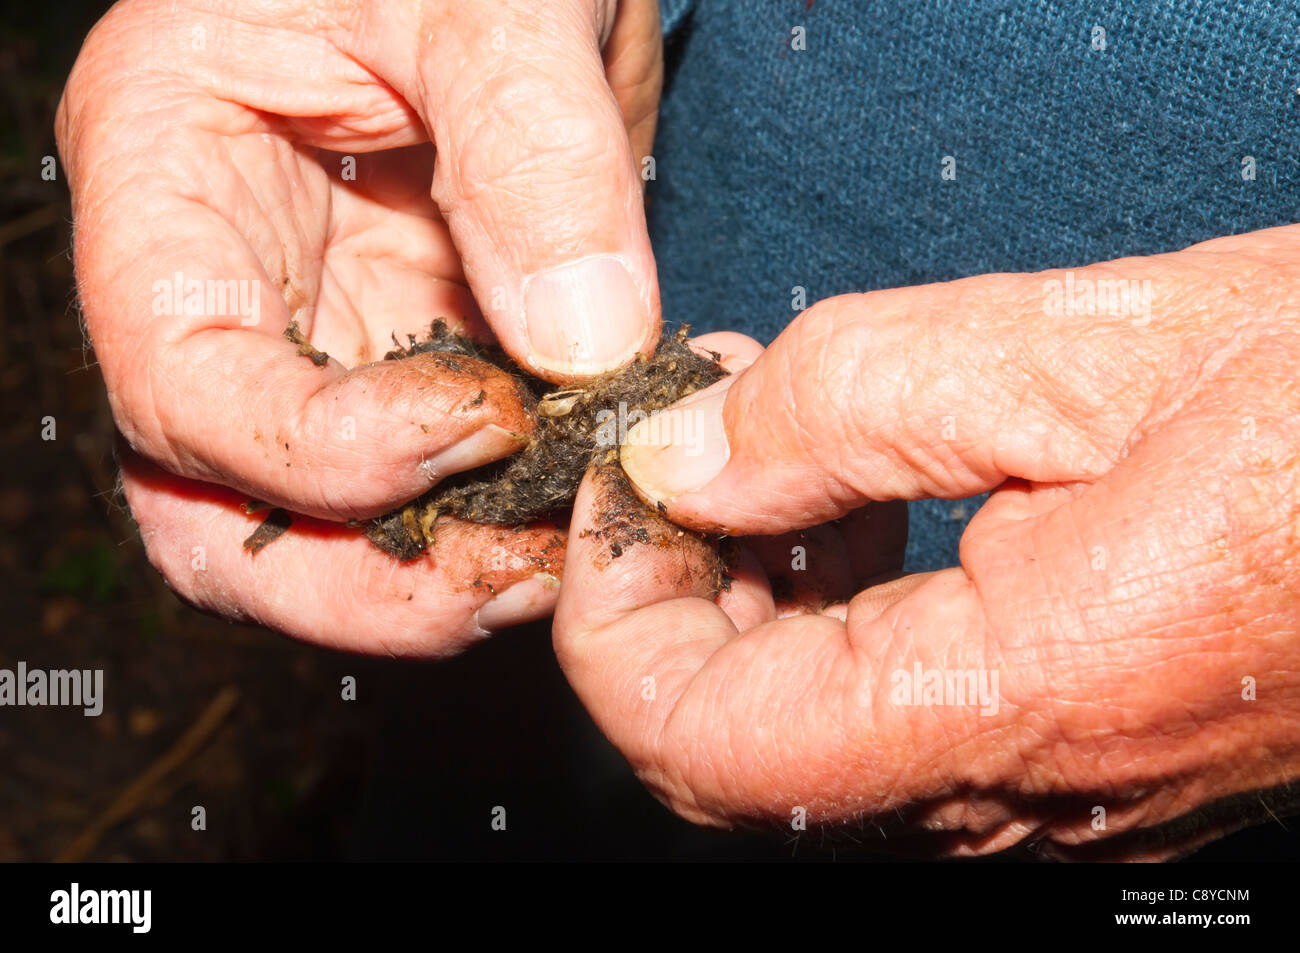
<point x="681" y="449"/>
<point x="484" y="445"/>
<point x="584" y="318"/>
<point x="525" y="601"/>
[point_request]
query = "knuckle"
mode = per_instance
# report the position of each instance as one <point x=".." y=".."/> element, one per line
<point x="829" y="387"/>
<point x="532" y="139"/>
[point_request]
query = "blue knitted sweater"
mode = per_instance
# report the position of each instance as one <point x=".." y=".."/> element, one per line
<point x="802" y="143"/>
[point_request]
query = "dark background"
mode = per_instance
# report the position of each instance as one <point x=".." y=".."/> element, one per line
<point x="411" y="770"/>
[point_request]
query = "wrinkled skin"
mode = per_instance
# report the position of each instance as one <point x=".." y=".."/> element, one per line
<point x="1134" y="579"/>
<point x="1136" y="563"/>
<point x="219" y="141"/>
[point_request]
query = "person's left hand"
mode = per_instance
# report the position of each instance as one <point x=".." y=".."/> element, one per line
<point x="354" y="170"/>
<point x="1113" y="669"/>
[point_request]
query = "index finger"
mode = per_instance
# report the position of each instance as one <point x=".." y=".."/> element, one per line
<point x="188" y="324"/>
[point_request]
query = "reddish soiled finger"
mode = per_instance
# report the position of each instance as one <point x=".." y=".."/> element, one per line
<point x="631" y="630"/>
<point x="722" y="724"/>
<point x="247" y="411"/>
<point x="325" y="583"/>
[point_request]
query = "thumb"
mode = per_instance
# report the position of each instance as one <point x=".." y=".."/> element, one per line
<point x="536" y="178"/>
<point x="936" y="391"/>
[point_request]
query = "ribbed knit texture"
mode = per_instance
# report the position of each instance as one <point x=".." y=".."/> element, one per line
<point x="822" y="167"/>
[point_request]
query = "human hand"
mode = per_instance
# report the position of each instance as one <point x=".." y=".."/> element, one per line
<point x="1132" y="583"/>
<point x="285" y="153"/>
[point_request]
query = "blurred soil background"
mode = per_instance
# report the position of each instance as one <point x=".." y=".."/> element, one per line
<point x="243" y="722"/>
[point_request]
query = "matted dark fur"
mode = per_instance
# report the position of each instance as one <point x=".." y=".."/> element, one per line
<point x="542" y="479"/>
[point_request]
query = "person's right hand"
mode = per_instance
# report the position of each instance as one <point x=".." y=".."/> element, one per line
<point x="1112" y="671"/>
<point x="286" y="150"/>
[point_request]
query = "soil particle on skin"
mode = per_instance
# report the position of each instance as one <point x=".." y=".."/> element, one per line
<point x="446" y="344"/>
<point x="272" y="528"/>
<point x="305" y="348"/>
<point x="621" y="520"/>
<point x="576" y="427"/>
<point x="443" y="339"/>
